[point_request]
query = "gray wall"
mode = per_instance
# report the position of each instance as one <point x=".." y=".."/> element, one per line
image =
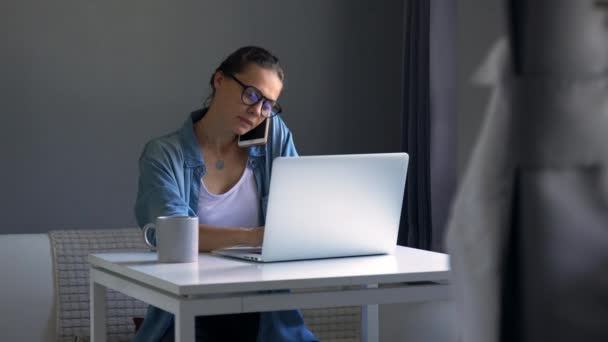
<point x="480" y="24"/>
<point x="418" y="322"/>
<point x="84" y="84"/>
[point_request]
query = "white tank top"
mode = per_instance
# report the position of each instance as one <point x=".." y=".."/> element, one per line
<point x="238" y="207"/>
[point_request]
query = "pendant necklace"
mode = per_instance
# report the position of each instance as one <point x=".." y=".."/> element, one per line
<point x="219" y="164"/>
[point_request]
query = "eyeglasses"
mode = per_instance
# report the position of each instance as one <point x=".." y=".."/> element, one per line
<point x="251" y="96"/>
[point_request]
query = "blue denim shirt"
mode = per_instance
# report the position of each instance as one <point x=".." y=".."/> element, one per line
<point x="170" y="173"/>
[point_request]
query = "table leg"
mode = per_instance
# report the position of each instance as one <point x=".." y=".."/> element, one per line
<point x="184" y="327"/>
<point x="98" y="311"/>
<point x="369" y="321"/>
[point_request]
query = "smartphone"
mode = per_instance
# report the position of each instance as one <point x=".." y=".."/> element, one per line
<point x="257" y="136"/>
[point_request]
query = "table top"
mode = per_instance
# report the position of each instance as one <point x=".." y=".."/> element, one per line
<point x="218" y="274"/>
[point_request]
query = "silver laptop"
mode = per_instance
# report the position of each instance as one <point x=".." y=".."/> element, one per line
<point x="331" y="206"/>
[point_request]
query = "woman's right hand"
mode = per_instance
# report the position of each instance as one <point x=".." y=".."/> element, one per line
<point x="255" y="236"/>
<point x="211" y="238"/>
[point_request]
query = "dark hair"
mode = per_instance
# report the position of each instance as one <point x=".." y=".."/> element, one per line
<point x="240" y="59"/>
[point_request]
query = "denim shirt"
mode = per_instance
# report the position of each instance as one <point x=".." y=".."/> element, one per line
<point x="170" y="172"/>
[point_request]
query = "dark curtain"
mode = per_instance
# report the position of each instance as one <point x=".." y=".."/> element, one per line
<point x="428" y="121"/>
<point x="415" y="228"/>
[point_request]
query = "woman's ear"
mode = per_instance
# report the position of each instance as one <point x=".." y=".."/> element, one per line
<point x="218" y="79"/>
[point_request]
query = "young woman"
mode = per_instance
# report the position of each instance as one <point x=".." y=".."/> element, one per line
<point x="200" y="170"/>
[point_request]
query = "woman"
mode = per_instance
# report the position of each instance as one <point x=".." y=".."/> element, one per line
<point x="200" y="170"/>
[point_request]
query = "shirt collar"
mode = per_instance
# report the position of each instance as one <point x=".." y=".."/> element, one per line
<point x="192" y="152"/>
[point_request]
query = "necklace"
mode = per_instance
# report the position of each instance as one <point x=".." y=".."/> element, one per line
<point x="219" y="165"/>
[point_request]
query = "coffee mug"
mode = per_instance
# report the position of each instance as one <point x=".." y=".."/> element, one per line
<point x="176" y="238"/>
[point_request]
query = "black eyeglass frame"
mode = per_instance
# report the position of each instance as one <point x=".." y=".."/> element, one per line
<point x="275" y="104"/>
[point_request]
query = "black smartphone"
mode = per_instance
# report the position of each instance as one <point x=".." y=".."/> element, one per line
<point x="257" y="136"/>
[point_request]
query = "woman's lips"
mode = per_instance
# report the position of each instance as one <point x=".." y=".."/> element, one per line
<point x="245" y="121"/>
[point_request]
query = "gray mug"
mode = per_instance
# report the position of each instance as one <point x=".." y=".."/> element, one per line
<point x="176" y="238"/>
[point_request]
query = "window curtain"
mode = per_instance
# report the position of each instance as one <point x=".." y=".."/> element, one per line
<point x="428" y="121"/>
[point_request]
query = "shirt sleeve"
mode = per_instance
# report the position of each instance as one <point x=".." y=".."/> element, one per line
<point x="289" y="148"/>
<point x="283" y="145"/>
<point x="158" y="192"/>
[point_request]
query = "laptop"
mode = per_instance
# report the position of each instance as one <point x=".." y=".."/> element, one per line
<point x="331" y="206"/>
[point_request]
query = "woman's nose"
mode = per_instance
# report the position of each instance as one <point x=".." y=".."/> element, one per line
<point x="256" y="108"/>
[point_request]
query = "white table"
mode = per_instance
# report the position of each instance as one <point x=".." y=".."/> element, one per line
<point x="219" y="285"/>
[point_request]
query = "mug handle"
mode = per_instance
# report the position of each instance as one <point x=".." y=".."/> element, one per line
<point x="145" y="232"/>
